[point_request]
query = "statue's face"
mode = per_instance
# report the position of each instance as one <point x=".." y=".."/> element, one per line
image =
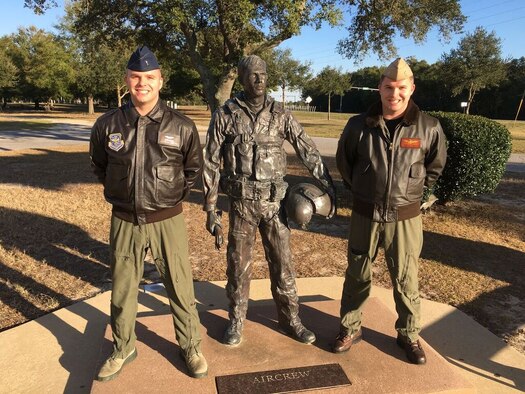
<point x="254" y="81"/>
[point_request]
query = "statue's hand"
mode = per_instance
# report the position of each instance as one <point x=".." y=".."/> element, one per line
<point x="213" y="220"/>
<point x="333" y="202"/>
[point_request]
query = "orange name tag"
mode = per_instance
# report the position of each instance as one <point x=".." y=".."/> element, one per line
<point x="412" y="143"/>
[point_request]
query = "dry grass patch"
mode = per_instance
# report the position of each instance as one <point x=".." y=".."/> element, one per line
<point x="54" y="229"/>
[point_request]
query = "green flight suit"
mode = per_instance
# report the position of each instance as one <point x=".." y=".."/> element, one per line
<point x="168" y="242"/>
<point x="402" y="242"/>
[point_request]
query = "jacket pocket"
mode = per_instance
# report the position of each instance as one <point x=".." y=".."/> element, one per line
<point x="270" y="163"/>
<point x="244" y="158"/>
<point x="229" y="158"/>
<point x="416" y="181"/>
<point x="170" y="184"/>
<point x="364" y="180"/>
<point x="116" y="184"/>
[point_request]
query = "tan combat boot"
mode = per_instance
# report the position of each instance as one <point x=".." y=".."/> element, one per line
<point x="197" y="365"/>
<point x="114" y="365"/>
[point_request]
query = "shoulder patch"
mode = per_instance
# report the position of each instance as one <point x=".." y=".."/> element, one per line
<point x="116" y="141"/>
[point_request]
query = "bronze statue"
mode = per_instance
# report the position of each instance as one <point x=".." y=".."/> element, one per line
<point x="246" y="135"/>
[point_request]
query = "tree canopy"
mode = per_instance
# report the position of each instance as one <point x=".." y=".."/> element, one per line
<point x="286" y="72"/>
<point x="44" y="64"/>
<point x="214" y="35"/>
<point x="375" y="25"/>
<point x="8" y="71"/>
<point x="331" y="81"/>
<point x="474" y="65"/>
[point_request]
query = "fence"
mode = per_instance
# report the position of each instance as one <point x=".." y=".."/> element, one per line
<point x="307" y="108"/>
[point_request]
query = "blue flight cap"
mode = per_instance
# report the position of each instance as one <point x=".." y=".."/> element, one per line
<point x="143" y="60"/>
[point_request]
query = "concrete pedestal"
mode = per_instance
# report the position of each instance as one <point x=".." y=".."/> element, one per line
<point x="375" y="365"/>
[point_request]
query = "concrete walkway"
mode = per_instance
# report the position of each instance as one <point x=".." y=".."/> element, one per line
<point x="76" y="131"/>
<point x="61" y="351"/>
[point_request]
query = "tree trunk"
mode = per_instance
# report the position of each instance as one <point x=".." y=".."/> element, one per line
<point x="91" y="105"/>
<point x="121" y="92"/>
<point x="283" y="87"/>
<point x="217" y="95"/>
<point x="119" y="98"/>
<point x="215" y="91"/>
<point x="329" y="101"/>
<point x="471" y="93"/>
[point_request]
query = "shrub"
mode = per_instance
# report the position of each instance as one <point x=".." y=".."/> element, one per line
<point x="478" y="149"/>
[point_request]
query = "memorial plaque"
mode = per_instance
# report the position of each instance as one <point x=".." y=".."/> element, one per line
<point x="284" y="380"/>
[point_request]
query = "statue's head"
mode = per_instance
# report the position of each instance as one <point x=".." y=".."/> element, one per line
<point x="252" y="75"/>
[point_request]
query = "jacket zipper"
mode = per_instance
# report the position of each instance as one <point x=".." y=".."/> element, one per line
<point x="139" y="168"/>
<point x="397" y="133"/>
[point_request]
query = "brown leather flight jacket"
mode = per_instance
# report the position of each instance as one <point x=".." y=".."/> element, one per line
<point x="387" y="175"/>
<point x="147" y="164"/>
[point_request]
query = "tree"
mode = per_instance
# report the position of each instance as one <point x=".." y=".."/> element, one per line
<point x="45" y="65"/>
<point x="286" y="72"/>
<point x="214" y="35"/>
<point x="502" y="101"/>
<point x="430" y="93"/>
<point x="331" y="81"/>
<point x="474" y="65"/>
<point x="374" y="24"/>
<point x="8" y="71"/>
<point x="100" y="64"/>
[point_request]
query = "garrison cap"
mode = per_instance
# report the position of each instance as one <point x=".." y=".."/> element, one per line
<point x="143" y="60"/>
<point x="398" y="70"/>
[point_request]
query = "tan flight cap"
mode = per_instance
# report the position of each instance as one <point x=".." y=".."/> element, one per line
<point x="398" y="70"/>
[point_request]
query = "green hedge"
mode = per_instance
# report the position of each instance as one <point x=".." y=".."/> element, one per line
<point x="478" y="149"/>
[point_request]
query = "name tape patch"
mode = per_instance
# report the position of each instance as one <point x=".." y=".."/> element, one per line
<point x="411" y="143"/>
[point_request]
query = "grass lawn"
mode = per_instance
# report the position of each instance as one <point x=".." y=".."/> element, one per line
<point x="40" y="124"/>
<point x="54" y="234"/>
<point x="517" y="131"/>
<point x="317" y="124"/>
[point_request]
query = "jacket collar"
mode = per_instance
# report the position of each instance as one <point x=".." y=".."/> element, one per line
<point x="269" y="104"/>
<point x="155" y="114"/>
<point x="375" y="112"/>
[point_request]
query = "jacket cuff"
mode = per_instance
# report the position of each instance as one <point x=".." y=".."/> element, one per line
<point x="208" y="207"/>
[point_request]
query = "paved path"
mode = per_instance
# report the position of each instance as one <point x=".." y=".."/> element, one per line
<point x="76" y="131"/>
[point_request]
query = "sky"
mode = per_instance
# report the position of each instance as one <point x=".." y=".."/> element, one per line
<point x="505" y="17"/>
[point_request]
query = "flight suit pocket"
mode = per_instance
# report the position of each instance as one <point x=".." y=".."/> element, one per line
<point x="229" y="158"/>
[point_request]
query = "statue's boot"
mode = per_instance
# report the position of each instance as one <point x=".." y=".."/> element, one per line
<point x="233" y="333"/>
<point x="297" y="331"/>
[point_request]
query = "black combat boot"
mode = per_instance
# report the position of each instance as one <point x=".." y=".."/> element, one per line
<point x="298" y="332"/>
<point x="233" y="334"/>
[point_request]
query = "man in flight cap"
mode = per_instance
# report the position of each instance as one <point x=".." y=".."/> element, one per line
<point x="148" y="156"/>
<point x="388" y="156"/>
